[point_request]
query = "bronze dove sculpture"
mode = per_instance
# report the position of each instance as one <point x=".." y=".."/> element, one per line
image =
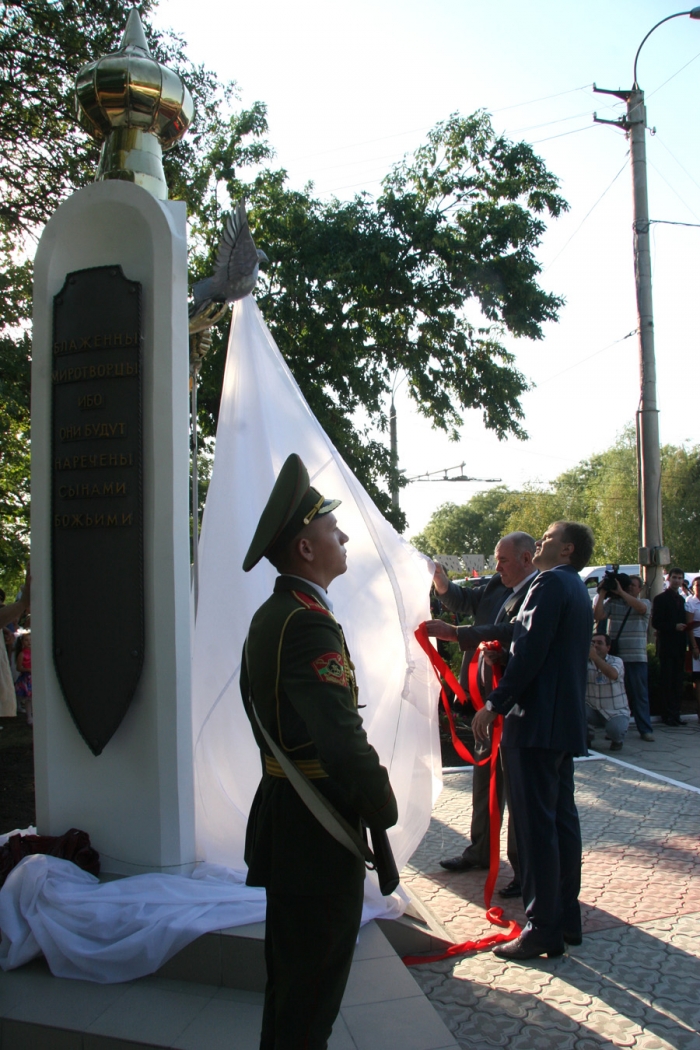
<point x="237" y="266"/>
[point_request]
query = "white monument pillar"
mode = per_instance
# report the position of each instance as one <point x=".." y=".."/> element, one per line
<point x="134" y="798"/>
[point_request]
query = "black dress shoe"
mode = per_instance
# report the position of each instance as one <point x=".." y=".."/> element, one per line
<point x="572" y="938"/>
<point x="513" y="889"/>
<point x="459" y="864"/>
<point x="528" y="946"/>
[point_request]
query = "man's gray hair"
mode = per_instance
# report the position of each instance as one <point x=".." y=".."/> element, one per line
<point x="522" y="541"/>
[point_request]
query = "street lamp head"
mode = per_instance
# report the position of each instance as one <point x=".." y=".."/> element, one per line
<point x="695" y="13"/>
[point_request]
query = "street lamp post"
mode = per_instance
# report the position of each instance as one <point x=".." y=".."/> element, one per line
<point x="652" y="553"/>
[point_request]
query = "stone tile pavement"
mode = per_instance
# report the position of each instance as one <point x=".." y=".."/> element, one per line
<point x="635" y="980"/>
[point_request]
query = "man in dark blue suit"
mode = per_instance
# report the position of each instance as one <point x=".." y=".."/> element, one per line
<point x="542" y="693"/>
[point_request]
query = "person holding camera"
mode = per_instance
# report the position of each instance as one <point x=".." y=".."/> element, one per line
<point x="618" y="601"/>
<point x="606" y="702"/>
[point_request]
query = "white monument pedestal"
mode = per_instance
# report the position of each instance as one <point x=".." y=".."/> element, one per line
<point x="135" y="799"/>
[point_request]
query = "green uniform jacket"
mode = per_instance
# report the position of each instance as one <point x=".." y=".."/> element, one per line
<point x="299" y="673"/>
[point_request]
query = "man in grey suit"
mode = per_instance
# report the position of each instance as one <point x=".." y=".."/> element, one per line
<point x="494" y="606"/>
<point x="543" y="695"/>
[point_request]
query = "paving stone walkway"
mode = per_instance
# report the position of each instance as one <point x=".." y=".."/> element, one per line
<point x="635" y="980"/>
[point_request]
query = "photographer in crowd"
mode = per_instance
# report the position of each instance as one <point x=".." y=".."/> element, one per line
<point x="606" y="702"/>
<point x="619" y="603"/>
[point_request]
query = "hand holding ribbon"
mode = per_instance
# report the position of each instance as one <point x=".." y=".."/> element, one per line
<point x="481" y="724"/>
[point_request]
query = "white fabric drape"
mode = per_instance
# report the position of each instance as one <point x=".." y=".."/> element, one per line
<point x="124" y="929"/>
<point x="380" y="601"/>
<point x="114" y="931"/>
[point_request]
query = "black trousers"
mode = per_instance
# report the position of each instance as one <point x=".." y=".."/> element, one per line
<point x="672" y="676"/>
<point x="309" y="944"/>
<point x="480" y="832"/>
<point x="547" y="828"/>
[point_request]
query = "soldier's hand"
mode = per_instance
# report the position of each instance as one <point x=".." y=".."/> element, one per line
<point x="440" y="579"/>
<point x="446" y="632"/>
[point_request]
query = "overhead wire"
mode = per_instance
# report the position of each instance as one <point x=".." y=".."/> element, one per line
<point x="544" y="98"/>
<point x="549" y="138"/>
<point x="426" y="127"/>
<point x="583" y="360"/>
<point x="673" y="189"/>
<point x="589" y="212"/>
<point x="674" y="75"/>
<point x="670" y="222"/>
<point x="681" y="166"/>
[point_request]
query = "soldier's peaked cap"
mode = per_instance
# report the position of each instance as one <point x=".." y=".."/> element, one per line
<point x="293" y="503"/>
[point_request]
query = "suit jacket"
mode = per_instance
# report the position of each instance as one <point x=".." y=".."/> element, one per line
<point x="483" y="603"/>
<point x="546" y="674"/>
<point x="470" y="638"/>
<point x="668" y="609"/>
<point x="298" y="671"/>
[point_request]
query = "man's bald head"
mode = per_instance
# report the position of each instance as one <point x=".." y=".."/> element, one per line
<point x="514" y="557"/>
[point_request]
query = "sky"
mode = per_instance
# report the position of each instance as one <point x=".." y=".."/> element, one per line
<point x="352" y="88"/>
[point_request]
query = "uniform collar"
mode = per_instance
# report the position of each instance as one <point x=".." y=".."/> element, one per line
<point x="291" y="582"/>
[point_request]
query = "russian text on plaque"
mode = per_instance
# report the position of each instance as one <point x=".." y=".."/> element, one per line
<point x="97" y="503"/>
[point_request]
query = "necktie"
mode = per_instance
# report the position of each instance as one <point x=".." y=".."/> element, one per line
<point x="502" y="611"/>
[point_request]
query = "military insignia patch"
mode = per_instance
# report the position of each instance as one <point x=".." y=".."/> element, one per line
<point x="330" y="669"/>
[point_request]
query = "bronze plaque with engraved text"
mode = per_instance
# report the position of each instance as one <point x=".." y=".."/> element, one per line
<point x="97" y="504"/>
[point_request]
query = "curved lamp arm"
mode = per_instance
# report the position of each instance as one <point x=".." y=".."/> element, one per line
<point x="693" y="13"/>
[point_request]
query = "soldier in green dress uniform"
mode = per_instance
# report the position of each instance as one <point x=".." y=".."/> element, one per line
<point x="297" y="678"/>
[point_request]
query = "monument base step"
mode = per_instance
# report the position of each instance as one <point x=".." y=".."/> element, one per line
<point x="235" y="958"/>
<point x="383" y="1007"/>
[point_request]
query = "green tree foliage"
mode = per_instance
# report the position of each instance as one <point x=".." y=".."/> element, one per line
<point x="472" y="528"/>
<point x="680" y="494"/>
<point x="44" y="156"/>
<point x="601" y="491"/>
<point x="427" y="279"/>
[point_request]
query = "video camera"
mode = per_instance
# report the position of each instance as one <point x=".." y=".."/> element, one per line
<point x="610" y="580"/>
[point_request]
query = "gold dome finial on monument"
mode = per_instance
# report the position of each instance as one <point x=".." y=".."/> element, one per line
<point x="136" y="107"/>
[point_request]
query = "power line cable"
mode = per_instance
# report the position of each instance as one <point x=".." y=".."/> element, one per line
<point x="547" y="123"/>
<point x="681" y="166"/>
<point x="544" y="98"/>
<point x="673" y="75"/>
<point x="673" y="190"/>
<point x="584" y="359"/>
<point x="590" y="210"/>
<point x="669" y="222"/>
<point x="380" y="178"/>
<point x="563" y="134"/>
<point x="426" y="127"/>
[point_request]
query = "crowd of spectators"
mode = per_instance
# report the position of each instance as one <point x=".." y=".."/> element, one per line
<point x="617" y="689"/>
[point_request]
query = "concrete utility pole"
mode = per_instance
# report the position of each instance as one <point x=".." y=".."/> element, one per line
<point x="652" y="553"/>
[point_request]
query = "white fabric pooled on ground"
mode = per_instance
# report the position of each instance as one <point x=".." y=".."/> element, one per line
<point x="114" y="931"/>
<point x="380" y="601"/>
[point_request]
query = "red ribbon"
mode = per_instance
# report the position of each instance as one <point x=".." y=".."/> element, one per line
<point x="444" y="675"/>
